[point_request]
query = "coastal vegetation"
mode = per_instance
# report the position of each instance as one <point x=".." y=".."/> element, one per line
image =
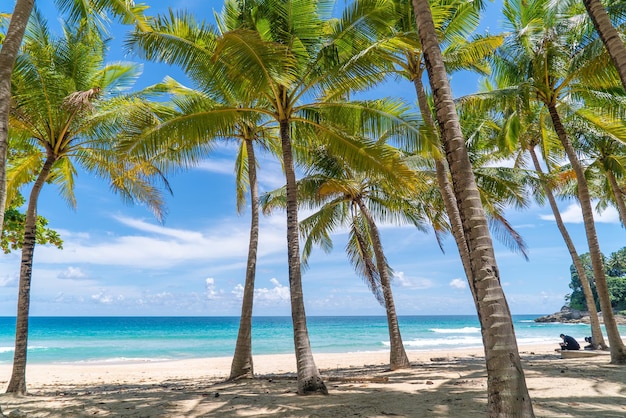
<point x="615" y="267"/>
<point x="289" y="77"/>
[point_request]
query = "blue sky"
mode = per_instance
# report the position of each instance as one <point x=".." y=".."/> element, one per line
<point x="118" y="260"/>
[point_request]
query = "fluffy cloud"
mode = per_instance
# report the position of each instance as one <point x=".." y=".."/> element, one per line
<point x="573" y="214"/>
<point x="72" y="273"/>
<point x="211" y="292"/>
<point x="458" y="283"/>
<point x="9" y="280"/>
<point x="106" y="298"/>
<point x="153" y="246"/>
<point x="413" y="282"/>
<point x="269" y="296"/>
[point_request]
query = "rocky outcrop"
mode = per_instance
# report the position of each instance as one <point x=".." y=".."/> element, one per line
<point x="574" y="316"/>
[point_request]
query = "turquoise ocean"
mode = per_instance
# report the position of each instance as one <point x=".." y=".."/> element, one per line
<point x="138" y="339"/>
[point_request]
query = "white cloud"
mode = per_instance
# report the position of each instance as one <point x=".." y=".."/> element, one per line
<point x="277" y="294"/>
<point x="573" y="214"/>
<point x="220" y="166"/>
<point x="72" y="273"/>
<point x="9" y="280"/>
<point x="102" y="297"/>
<point x="413" y="282"/>
<point x="237" y="292"/>
<point x="211" y="291"/>
<point x="156" y="247"/>
<point x="458" y="283"/>
<point x="141" y="225"/>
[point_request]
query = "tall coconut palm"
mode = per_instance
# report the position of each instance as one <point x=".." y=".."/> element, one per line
<point x="455" y="21"/>
<point x="63" y="104"/>
<point x="507" y="391"/>
<point x="204" y="117"/>
<point x="125" y="9"/>
<point x="541" y="60"/>
<point x="523" y="129"/>
<point x="188" y="134"/>
<point x="609" y="35"/>
<point x="8" y="53"/>
<point x="291" y="64"/>
<point x="343" y="197"/>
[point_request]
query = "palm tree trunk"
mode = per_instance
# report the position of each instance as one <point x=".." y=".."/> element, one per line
<point x="309" y="378"/>
<point x="242" y="365"/>
<point x="397" y="355"/>
<point x="17" y="384"/>
<point x="445" y="188"/>
<point x="507" y="391"/>
<point x="596" y="333"/>
<point x="618" y="352"/>
<point x="619" y="197"/>
<point x="8" y="54"/>
<point x="609" y="35"/>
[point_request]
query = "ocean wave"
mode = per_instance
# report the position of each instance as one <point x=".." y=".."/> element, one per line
<point x="464" y="330"/>
<point x="118" y="360"/>
<point x="538" y="340"/>
<point x="431" y="343"/>
<point x="465" y="342"/>
<point x="30" y="348"/>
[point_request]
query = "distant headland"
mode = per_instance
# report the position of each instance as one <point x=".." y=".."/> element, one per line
<point x="574" y="316"/>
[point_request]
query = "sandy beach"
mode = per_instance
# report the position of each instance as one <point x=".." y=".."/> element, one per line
<point x="440" y="384"/>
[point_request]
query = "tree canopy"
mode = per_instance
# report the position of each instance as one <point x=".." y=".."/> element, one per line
<point x="615" y="266"/>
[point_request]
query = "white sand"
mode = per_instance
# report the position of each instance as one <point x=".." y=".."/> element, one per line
<point x="445" y="383"/>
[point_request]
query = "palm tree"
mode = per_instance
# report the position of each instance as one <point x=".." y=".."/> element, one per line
<point x="205" y="116"/>
<point x="8" y="53"/>
<point x="79" y="10"/>
<point x="292" y="65"/>
<point x="507" y="391"/>
<point x="607" y="169"/>
<point x="609" y="35"/>
<point x="541" y="60"/>
<point x="345" y="197"/>
<point x="63" y="105"/>
<point x="524" y="128"/>
<point x="455" y="23"/>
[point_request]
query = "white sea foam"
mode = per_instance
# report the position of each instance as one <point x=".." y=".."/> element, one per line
<point x="30" y="348"/>
<point x="119" y="360"/>
<point x="432" y="343"/>
<point x="463" y="342"/>
<point x="464" y="330"/>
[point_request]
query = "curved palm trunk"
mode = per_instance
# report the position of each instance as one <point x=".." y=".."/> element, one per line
<point x="507" y="391"/>
<point x="17" y="384"/>
<point x="397" y="355"/>
<point x="445" y="188"/>
<point x="309" y="378"/>
<point x="609" y="35"/>
<point x="596" y="333"/>
<point x="619" y="197"/>
<point x="618" y="352"/>
<point x="242" y="365"/>
<point x="8" y="54"/>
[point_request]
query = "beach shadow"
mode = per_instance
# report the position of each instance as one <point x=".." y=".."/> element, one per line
<point x="450" y="387"/>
